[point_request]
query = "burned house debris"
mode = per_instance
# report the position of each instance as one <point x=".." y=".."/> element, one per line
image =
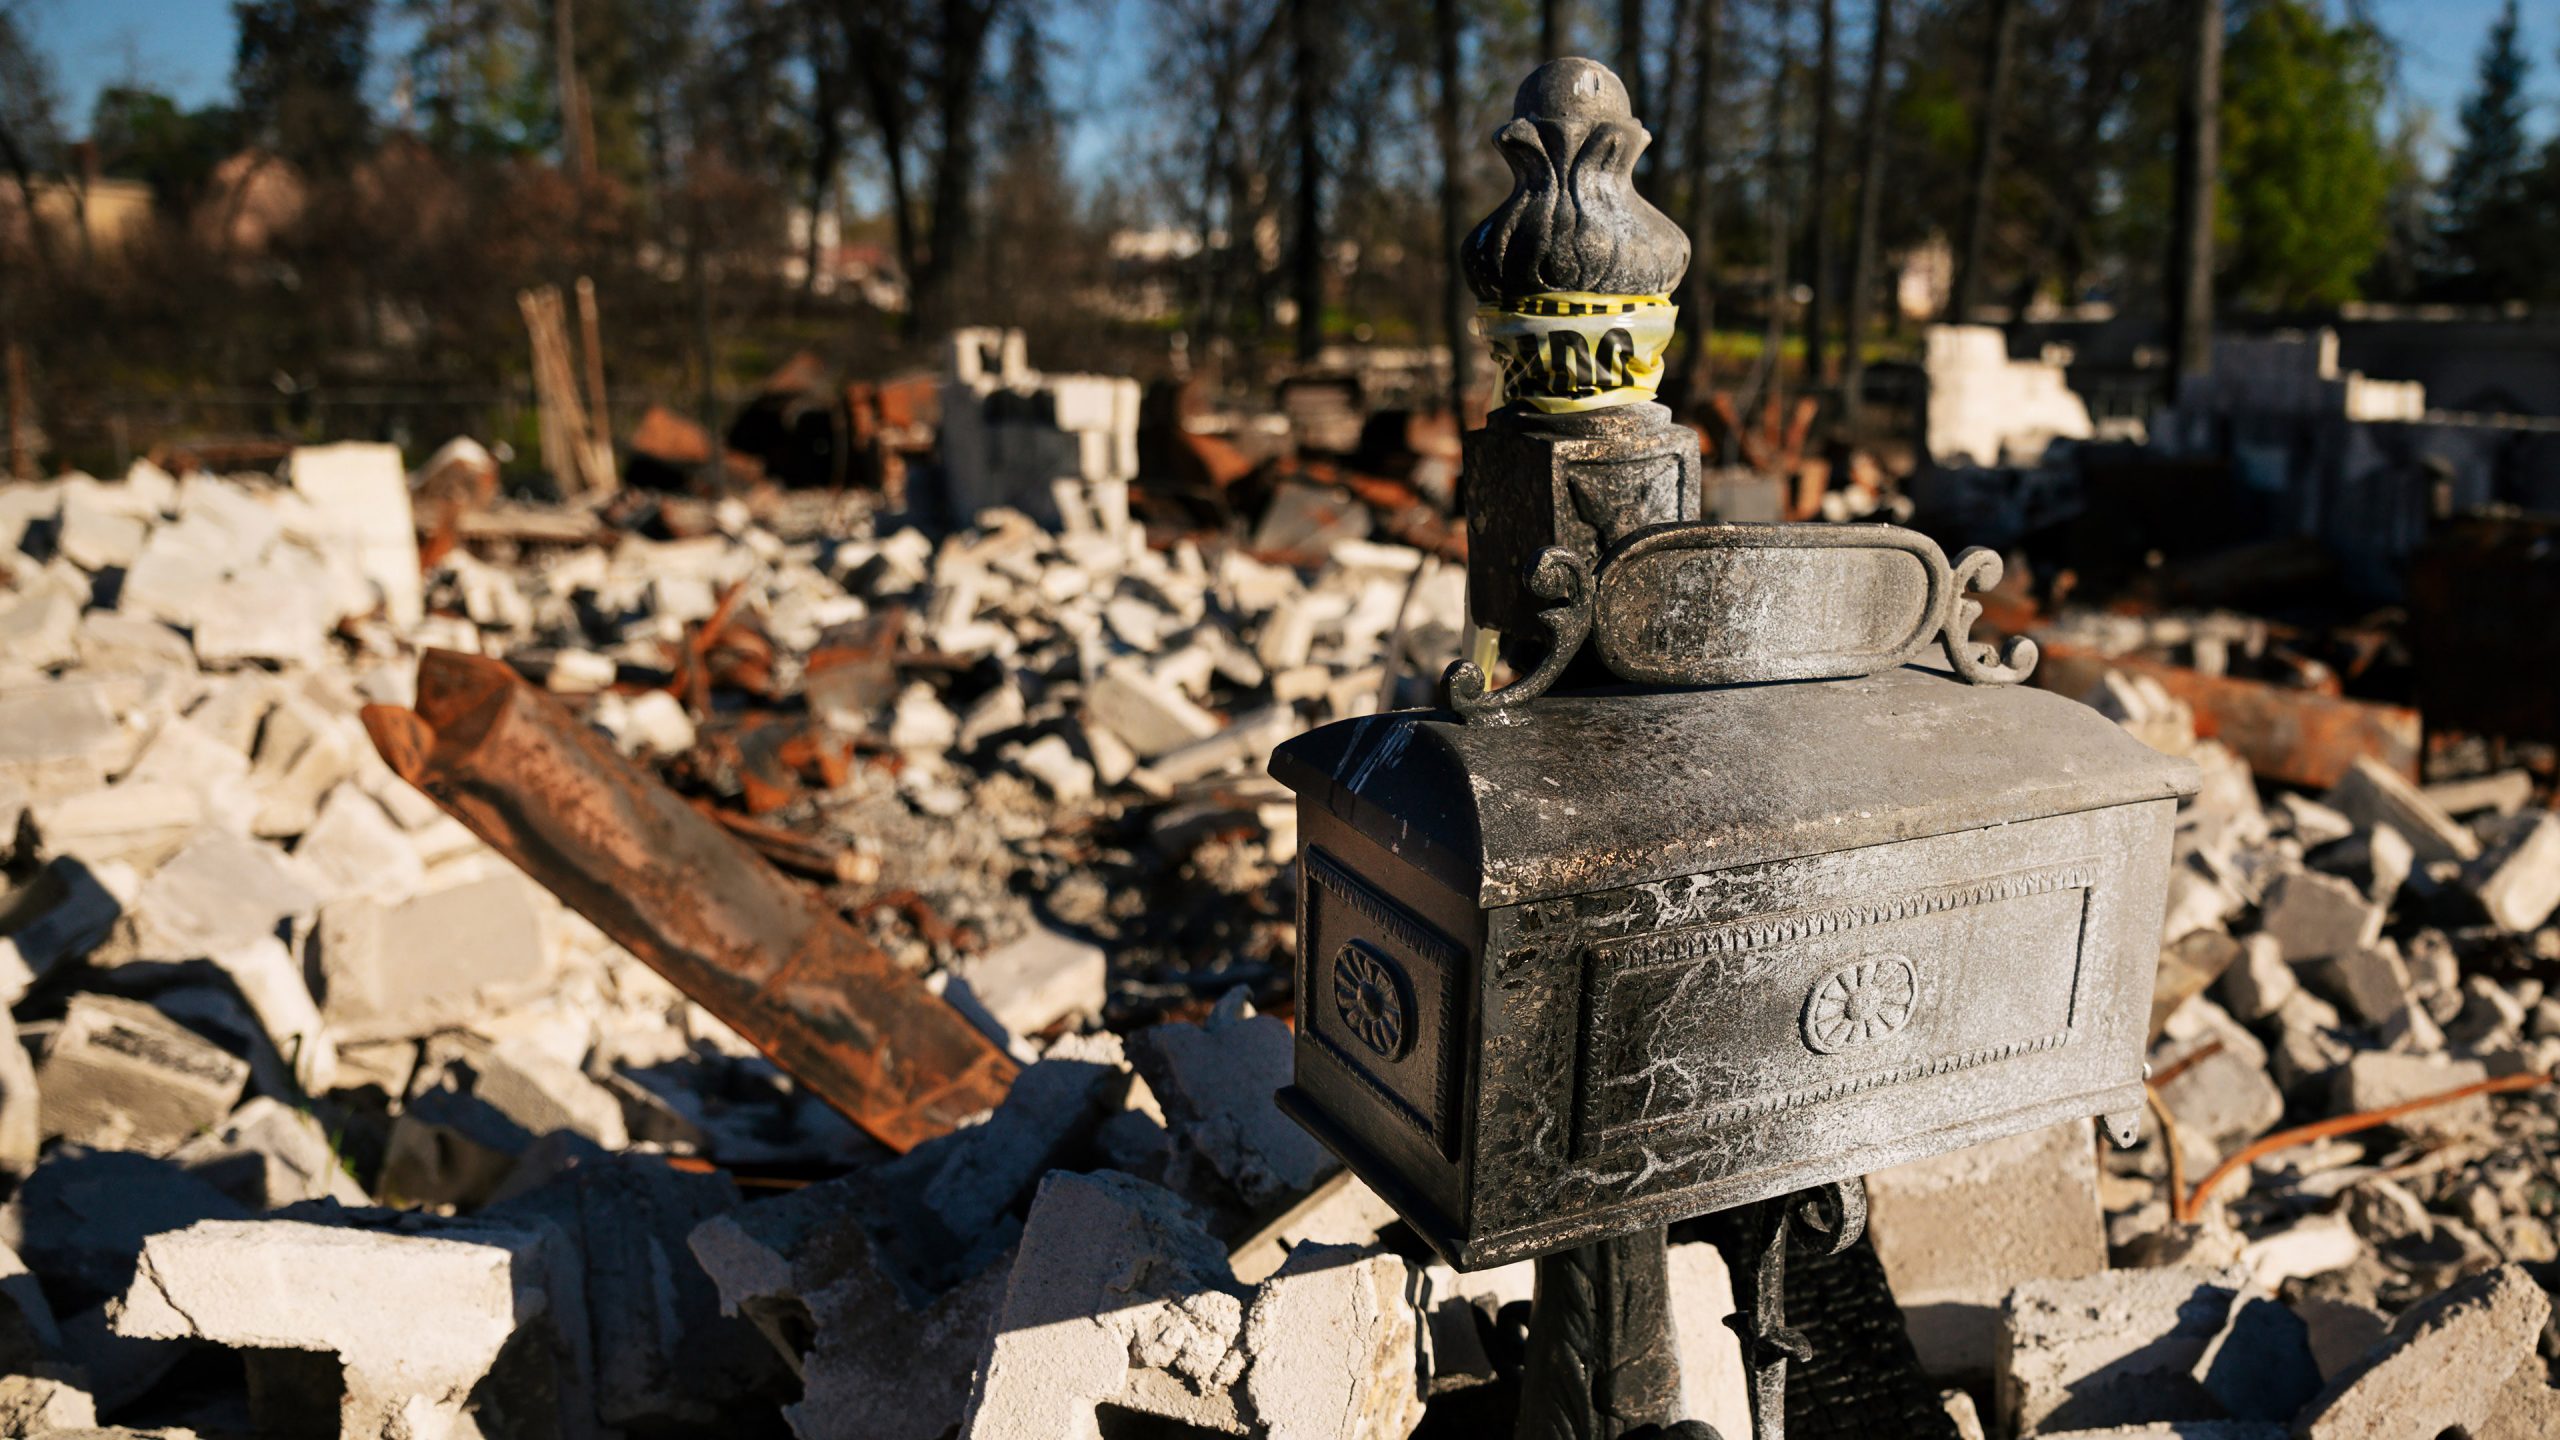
<point x="1003" y="904"/>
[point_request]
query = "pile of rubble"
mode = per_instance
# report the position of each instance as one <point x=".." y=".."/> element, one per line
<point x="325" y="1118"/>
<point x="2297" y="1247"/>
<point x="324" y="1115"/>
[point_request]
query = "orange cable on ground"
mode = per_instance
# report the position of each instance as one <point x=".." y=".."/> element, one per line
<point x="2193" y="1205"/>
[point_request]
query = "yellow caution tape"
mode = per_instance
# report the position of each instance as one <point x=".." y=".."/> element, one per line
<point x="1569" y="350"/>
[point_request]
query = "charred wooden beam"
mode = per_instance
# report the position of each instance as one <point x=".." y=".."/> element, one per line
<point x="693" y="901"/>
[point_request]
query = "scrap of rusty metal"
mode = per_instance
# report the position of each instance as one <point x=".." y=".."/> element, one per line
<point x="2295" y="737"/>
<point x="693" y="901"/>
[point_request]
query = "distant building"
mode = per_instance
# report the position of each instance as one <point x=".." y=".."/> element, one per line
<point x="112" y="213"/>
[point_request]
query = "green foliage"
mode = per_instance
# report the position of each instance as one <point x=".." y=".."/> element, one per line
<point x="2305" y="171"/>
<point x="2489" y="238"/>
<point x="143" y="135"/>
<point x="479" y="71"/>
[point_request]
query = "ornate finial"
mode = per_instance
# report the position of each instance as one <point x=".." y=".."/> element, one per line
<point x="1574" y="221"/>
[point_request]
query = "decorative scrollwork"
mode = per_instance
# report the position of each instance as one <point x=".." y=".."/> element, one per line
<point x="1371" y="997"/>
<point x="1558" y="575"/>
<point x="1977" y="664"/>
<point x="1860" y="1002"/>
<point x="1830" y="1218"/>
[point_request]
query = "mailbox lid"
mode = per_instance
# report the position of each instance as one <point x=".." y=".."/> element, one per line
<point x="1591" y="792"/>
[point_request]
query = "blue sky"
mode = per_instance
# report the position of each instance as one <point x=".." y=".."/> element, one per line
<point x="184" y="47"/>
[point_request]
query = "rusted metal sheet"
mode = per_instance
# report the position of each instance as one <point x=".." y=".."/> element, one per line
<point x="690" y="899"/>
<point x="2292" y="736"/>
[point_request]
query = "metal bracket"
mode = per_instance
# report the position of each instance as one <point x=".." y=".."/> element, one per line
<point x="1559" y="575"/>
<point x="1979" y="569"/>
<point x="1753" y="1240"/>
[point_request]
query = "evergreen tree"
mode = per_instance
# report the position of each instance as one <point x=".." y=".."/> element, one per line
<point x="2488" y="241"/>
<point x="2305" y="173"/>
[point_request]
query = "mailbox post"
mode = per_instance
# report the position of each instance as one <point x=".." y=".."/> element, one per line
<point x="1724" y="899"/>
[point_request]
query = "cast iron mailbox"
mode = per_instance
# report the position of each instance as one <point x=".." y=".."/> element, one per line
<point x="1768" y="906"/>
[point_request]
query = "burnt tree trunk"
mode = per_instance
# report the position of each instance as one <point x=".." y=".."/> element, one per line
<point x="1823" y="251"/>
<point x="1999" y="65"/>
<point x="1698" y="291"/>
<point x="1306" y="262"/>
<point x="1864" y="247"/>
<point x="1453" y="218"/>
<point x="2199" y="167"/>
<point x="965" y="28"/>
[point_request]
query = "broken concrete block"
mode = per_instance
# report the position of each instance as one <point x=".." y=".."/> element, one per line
<point x="361" y="495"/>
<point x="119" y="1075"/>
<point x="2442" y="1367"/>
<point x="2371" y="981"/>
<point x="111" y="642"/>
<point x="1341" y="1211"/>
<point x="2313" y="823"/>
<point x="2260" y="1367"/>
<point x="41" y="1391"/>
<point x="1118" y="1298"/>
<point x="2503" y="793"/>
<point x="21" y="1113"/>
<point x="139" y="822"/>
<point x="1067" y="776"/>
<point x="1332" y="1338"/>
<point x="2259" y="981"/>
<point x="270" y="980"/>
<point x="967" y="1184"/>
<point x="2187" y="968"/>
<point x="267" y="1155"/>
<point x="464" y="1128"/>
<point x="652" y="722"/>
<point x="875" y="1362"/>
<point x="97" y="534"/>
<point x="1216" y="1081"/>
<point x="2518" y="881"/>
<point x="220" y="894"/>
<point x="416" y="1320"/>
<point x="2224" y="1099"/>
<point x="921" y="722"/>
<point x="2372" y="793"/>
<point x="1714" y="1385"/>
<point x="2312" y="1246"/>
<point x="262" y="616"/>
<point x="1246" y="744"/>
<point x="1957" y="1232"/>
<point x="41" y="630"/>
<point x="2116" y="1348"/>
<point x="66" y="911"/>
<point x="2314" y="916"/>
<point x="1148" y="715"/>
<point x="304" y="752"/>
<point x="354" y="848"/>
<point x="1116" y="1290"/>
<point x="81" y="1218"/>
<point x="2378" y="1080"/>
<point x="1037" y="981"/>
<point x="437" y="960"/>
<point x="2338" y="1331"/>
<point x="190" y="753"/>
<point x="663" y="1352"/>
<point x="544" y="1094"/>
<point x="58" y="739"/>
<point x="2176" y="1430"/>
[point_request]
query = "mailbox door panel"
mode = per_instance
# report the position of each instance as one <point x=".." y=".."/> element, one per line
<point x="1741" y="1033"/>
